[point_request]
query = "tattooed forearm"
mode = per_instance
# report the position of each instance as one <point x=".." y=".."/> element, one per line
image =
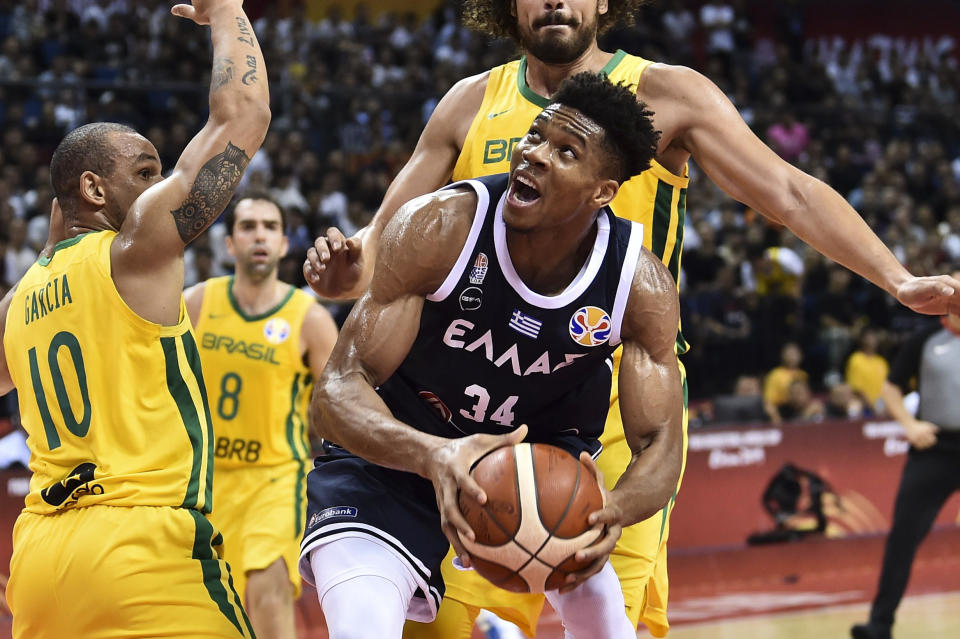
<point x="245" y="33"/>
<point x="222" y="73"/>
<point x="251" y="75"/>
<point x="211" y="191"/>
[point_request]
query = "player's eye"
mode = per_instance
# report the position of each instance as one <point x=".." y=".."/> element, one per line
<point x="145" y="174"/>
<point x="567" y="151"/>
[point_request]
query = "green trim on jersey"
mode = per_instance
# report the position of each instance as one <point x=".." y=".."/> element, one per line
<point x="541" y="101"/>
<point x="193" y="358"/>
<point x="188" y="415"/>
<point x="62" y="244"/>
<point x="265" y="314"/>
<point x="295" y="449"/>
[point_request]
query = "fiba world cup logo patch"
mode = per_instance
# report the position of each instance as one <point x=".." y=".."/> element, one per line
<point x="479" y="270"/>
<point x="277" y="330"/>
<point x="590" y="326"/>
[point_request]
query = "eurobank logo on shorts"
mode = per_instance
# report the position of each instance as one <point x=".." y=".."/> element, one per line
<point x="333" y="511"/>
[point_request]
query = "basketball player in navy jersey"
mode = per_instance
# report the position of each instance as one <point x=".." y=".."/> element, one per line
<point x="493" y="312"/>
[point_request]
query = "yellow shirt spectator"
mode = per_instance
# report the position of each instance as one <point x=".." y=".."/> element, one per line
<point x="865" y="374"/>
<point x="776" y="385"/>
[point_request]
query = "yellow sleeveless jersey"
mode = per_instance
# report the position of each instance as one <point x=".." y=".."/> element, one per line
<point x="258" y="384"/>
<point x="656" y="198"/>
<point x="114" y="406"/>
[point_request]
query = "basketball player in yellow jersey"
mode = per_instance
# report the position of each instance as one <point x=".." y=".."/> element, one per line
<point x="114" y="540"/>
<point x="472" y="132"/>
<point x="262" y="343"/>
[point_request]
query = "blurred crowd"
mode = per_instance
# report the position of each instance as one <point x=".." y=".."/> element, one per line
<point x="876" y="118"/>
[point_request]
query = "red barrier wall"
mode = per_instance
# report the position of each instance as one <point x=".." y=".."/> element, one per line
<point x="719" y="503"/>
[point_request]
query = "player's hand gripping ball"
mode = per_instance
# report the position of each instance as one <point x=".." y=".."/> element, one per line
<point x="535" y="518"/>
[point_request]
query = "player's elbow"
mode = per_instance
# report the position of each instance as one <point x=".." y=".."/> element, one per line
<point x="793" y="200"/>
<point x="246" y="115"/>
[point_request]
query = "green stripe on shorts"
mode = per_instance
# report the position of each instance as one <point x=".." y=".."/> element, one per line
<point x="210" y="565"/>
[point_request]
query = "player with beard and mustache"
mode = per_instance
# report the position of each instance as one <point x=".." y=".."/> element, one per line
<point x="472" y="133"/>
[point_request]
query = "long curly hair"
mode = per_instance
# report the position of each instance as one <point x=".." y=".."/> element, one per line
<point x="493" y="18"/>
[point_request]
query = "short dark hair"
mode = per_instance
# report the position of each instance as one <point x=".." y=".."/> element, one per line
<point x="493" y="17"/>
<point x="629" y="135"/>
<point x="230" y="215"/>
<point x="86" y="148"/>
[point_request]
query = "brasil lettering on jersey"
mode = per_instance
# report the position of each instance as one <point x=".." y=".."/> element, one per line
<point x="250" y="350"/>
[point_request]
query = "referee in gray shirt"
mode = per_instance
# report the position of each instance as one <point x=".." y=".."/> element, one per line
<point x="932" y="471"/>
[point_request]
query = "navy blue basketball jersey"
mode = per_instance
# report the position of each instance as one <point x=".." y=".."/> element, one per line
<point x="492" y="354"/>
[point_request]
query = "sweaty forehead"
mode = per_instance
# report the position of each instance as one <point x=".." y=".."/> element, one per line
<point x="571" y="118"/>
<point x="131" y="144"/>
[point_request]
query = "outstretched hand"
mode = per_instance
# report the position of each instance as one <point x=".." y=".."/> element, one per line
<point x="450" y="474"/>
<point x="334" y="264"/>
<point x="199" y="10"/>
<point x="935" y="295"/>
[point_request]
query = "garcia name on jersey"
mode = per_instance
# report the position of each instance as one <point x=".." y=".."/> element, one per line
<point x="491" y="354"/>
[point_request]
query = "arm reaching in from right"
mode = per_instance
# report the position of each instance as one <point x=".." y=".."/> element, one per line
<point x="148" y="253"/>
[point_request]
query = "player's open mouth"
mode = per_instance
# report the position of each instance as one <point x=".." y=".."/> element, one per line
<point x="522" y="190"/>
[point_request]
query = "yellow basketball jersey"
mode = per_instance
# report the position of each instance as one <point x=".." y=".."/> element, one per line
<point x="258" y="384"/>
<point x="114" y="406"/>
<point x="656" y="198"/>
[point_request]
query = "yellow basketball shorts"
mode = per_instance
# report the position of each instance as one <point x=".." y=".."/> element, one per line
<point x="639" y="559"/>
<point x="260" y="512"/>
<point x="110" y="572"/>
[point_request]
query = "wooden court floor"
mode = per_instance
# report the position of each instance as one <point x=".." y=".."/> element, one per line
<point x="933" y="616"/>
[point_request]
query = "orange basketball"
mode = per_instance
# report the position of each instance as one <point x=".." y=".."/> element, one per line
<point x="535" y="518"/>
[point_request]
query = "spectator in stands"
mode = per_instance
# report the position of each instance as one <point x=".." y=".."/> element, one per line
<point x="788" y="137"/>
<point x="19" y="256"/>
<point x="744" y="405"/>
<point x="801" y="405"/>
<point x="867" y="370"/>
<point x="776" y="385"/>
<point x="932" y="472"/>
<point x="843" y="403"/>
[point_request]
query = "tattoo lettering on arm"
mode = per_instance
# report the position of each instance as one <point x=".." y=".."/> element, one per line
<point x="250" y="77"/>
<point x="245" y="34"/>
<point x="211" y="191"/>
<point x="222" y="73"/>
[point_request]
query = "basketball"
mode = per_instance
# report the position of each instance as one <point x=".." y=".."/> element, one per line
<point x="535" y="518"/>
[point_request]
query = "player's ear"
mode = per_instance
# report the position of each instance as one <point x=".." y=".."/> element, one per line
<point x="602" y="7"/>
<point x="91" y="188"/>
<point x="606" y="191"/>
<point x="228" y="240"/>
<point x="284" y="246"/>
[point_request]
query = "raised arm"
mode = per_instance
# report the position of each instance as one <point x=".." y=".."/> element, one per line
<point x="148" y="253"/>
<point x="340" y="268"/>
<point x="651" y="393"/>
<point x="709" y="127"/>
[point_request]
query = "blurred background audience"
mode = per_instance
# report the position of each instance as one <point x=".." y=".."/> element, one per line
<point x="873" y="115"/>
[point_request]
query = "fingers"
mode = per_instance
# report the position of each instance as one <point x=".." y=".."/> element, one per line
<point x="517" y="436"/>
<point x="183" y="11"/>
<point x="354" y="247"/>
<point x="596" y="554"/>
<point x="450" y="513"/>
<point x="335" y="239"/>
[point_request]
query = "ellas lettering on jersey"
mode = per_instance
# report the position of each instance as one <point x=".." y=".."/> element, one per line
<point x="545" y="365"/>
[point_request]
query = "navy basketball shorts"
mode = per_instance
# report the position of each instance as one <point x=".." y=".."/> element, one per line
<point x="350" y="497"/>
